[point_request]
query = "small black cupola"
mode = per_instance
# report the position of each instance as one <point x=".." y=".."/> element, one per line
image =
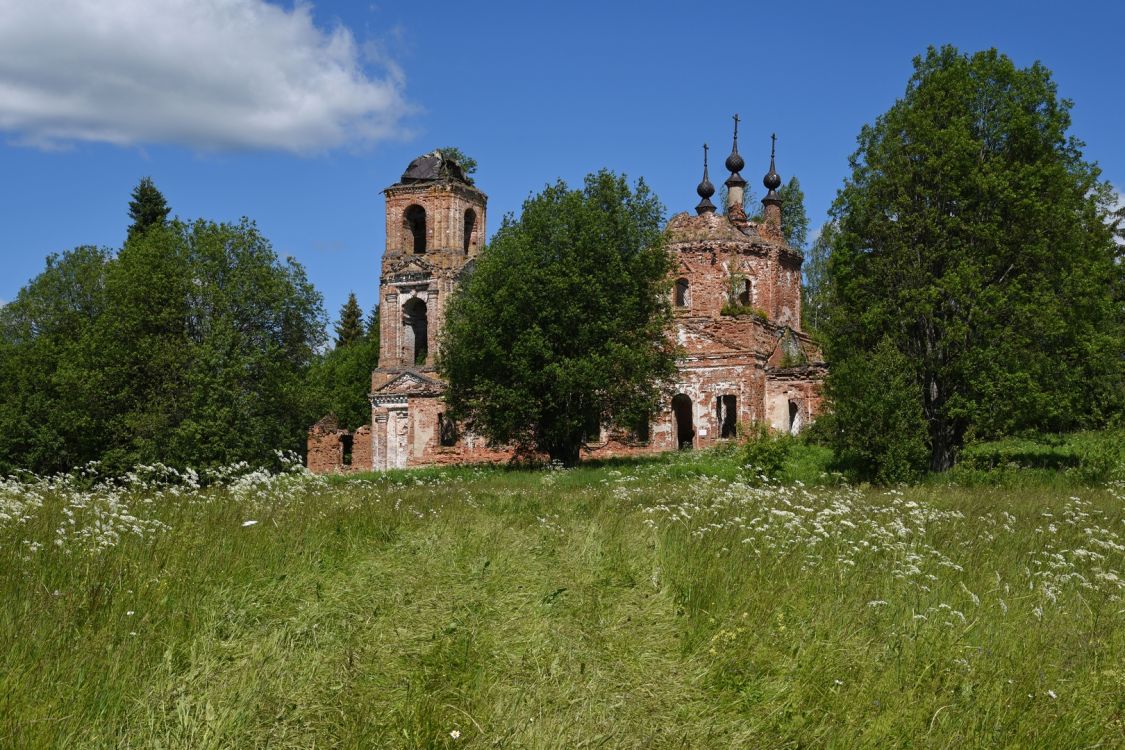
<point x="772" y="180"/>
<point x="735" y="162"/>
<point x="705" y="190"/>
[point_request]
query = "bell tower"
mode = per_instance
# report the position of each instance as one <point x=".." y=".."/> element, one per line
<point x="435" y="228"/>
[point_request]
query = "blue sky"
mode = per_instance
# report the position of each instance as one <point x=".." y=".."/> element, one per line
<point x="297" y="116"/>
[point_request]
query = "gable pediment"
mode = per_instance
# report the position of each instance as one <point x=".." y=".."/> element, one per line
<point x="788" y="351"/>
<point x="410" y="384"/>
<point x="410" y="268"/>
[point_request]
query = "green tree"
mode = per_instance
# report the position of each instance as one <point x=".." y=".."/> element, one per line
<point x="562" y="324"/>
<point x="147" y="208"/>
<point x="373" y="326"/>
<point x="814" y="292"/>
<point x="340" y="380"/>
<point x="794" y="219"/>
<point x="53" y="414"/>
<point x="349" y="329"/>
<point x="189" y="347"/>
<point x="468" y="163"/>
<point x="206" y="340"/>
<point x="972" y="233"/>
<point x="876" y="423"/>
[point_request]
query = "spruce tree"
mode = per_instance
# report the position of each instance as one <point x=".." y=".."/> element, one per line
<point x="814" y="292"/>
<point x="350" y="328"/>
<point x="147" y="208"/>
<point x="373" y="326"/>
<point x="794" y="218"/>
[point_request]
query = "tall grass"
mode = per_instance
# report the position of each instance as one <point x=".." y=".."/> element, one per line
<point x="665" y="603"/>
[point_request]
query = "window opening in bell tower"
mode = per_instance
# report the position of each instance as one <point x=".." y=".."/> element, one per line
<point x="415" y="339"/>
<point x="470" y="227"/>
<point x="414" y="221"/>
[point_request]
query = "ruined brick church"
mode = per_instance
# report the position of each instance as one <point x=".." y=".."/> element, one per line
<point x="736" y="297"/>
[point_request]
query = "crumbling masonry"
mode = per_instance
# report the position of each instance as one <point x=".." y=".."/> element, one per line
<point x="736" y="297"/>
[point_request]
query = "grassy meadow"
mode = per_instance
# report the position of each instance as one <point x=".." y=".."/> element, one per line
<point x="678" y="602"/>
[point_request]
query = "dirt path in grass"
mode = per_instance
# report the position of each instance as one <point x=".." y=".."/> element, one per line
<point x="511" y="630"/>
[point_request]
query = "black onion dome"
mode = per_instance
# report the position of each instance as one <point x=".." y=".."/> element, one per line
<point x="772" y="180"/>
<point x="432" y="167"/>
<point x="705" y="189"/>
<point x="734" y="161"/>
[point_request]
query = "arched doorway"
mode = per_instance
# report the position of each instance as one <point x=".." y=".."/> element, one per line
<point x="684" y="427"/>
<point x="415" y="341"/>
<point x="794" y="417"/>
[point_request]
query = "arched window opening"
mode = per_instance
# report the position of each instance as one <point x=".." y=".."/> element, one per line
<point x="794" y="417"/>
<point x="746" y="295"/>
<point x="682" y="296"/>
<point x="415" y="344"/>
<point x="470" y="229"/>
<point x="681" y="415"/>
<point x="447" y="431"/>
<point x="414" y="224"/>
<point x="726" y="411"/>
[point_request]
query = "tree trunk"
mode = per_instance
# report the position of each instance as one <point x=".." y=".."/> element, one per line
<point x="944" y="450"/>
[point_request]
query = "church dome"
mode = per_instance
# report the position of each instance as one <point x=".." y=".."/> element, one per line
<point x="432" y="167"/>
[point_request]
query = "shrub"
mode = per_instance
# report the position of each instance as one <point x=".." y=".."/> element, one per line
<point x="732" y="308"/>
<point x="1102" y="460"/>
<point x="764" y="453"/>
<point x="879" y="431"/>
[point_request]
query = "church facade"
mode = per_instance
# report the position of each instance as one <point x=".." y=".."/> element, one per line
<point x="736" y="298"/>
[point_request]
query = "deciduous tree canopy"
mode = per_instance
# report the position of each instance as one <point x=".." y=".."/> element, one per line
<point x="189" y="347"/>
<point x="561" y="324"/>
<point x="340" y="380"/>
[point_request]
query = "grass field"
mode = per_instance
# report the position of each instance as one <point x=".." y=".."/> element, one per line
<point x="665" y="603"/>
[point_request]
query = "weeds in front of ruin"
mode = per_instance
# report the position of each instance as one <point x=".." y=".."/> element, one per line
<point x="666" y="602"/>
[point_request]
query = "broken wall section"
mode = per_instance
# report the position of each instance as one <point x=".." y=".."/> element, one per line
<point x="332" y="450"/>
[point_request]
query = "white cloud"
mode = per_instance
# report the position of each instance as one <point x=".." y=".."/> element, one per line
<point x="208" y="74"/>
